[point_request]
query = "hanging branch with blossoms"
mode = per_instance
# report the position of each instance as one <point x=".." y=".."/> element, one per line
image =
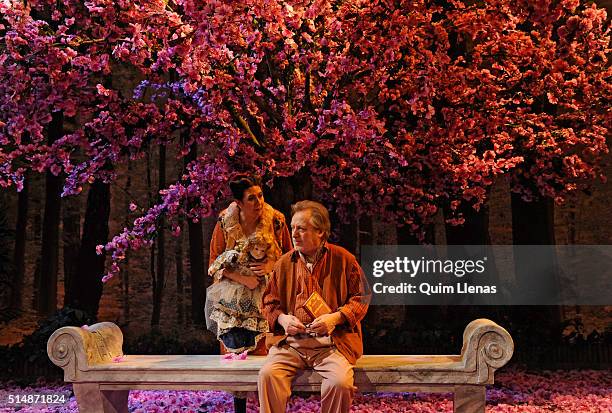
<point x="249" y="74"/>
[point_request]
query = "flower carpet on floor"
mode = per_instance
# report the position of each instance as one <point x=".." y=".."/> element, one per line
<point x="515" y="391"/>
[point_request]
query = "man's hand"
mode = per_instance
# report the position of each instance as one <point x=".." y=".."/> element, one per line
<point x="262" y="268"/>
<point x="291" y="324"/>
<point x="325" y="324"/>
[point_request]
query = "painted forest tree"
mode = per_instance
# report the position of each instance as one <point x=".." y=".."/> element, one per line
<point x="6" y="266"/>
<point x="19" y="250"/>
<point x="52" y="74"/>
<point x="45" y="281"/>
<point x="394" y="109"/>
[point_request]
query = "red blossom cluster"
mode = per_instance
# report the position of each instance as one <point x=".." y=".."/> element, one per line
<point x="396" y="108"/>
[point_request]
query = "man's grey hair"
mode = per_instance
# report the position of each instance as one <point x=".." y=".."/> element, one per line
<point x="319" y="217"/>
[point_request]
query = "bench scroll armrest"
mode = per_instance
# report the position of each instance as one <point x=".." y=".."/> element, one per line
<point x="75" y="349"/>
<point x="486" y="347"/>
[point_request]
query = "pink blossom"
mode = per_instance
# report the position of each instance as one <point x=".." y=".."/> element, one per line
<point x="234" y="356"/>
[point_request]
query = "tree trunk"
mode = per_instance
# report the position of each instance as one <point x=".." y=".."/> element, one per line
<point x="37" y="205"/>
<point x="533" y="224"/>
<point x="71" y="237"/>
<point x="125" y="279"/>
<point x="160" y="279"/>
<point x="379" y="314"/>
<point x="288" y="191"/>
<point x="20" y="244"/>
<point x="6" y="264"/>
<point x="409" y="315"/>
<point x="198" y="271"/>
<point x="46" y="285"/>
<point x="281" y="195"/>
<point x="348" y="236"/>
<point x="178" y="254"/>
<point x="37" y="210"/>
<point x="197" y="259"/>
<point x="153" y="245"/>
<point x="474" y="231"/>
<point x="405" y="237"/>
<point x="366" y="233"/>
<point x="90" y="266"/>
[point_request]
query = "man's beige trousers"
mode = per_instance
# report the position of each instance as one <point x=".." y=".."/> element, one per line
<point x="284" y="361"/>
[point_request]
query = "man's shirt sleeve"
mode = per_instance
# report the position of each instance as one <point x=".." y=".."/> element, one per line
<point x="355" y="309"/>
<point x="271" y="301"/>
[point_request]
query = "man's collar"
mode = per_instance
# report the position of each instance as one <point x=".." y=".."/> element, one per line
<point x="317" y="256"/>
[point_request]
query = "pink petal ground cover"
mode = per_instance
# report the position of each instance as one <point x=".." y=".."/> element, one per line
<point x="515" y="391"/>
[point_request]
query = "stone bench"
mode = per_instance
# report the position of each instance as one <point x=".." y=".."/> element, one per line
<point x="102" y="385"/>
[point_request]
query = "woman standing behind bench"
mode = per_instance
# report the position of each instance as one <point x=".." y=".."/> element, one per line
<point x="244" y="218"/>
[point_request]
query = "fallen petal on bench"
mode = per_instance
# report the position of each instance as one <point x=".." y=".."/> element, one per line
<point x="235" y="356"/>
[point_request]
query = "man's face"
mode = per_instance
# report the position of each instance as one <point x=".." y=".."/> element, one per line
<point x="306" y="238"/>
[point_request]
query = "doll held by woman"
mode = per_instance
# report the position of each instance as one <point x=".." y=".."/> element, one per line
<point x="233" y="310"/>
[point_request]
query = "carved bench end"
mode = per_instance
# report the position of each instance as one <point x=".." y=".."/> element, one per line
<point x="75" y="349"/>
<point x="486" y="347"/>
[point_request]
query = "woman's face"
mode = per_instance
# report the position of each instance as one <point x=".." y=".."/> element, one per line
<point x="252" y="201"/>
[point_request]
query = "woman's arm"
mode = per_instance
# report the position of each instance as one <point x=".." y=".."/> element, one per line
<point x="217" y="244"/>
<point x="248" y="281"/>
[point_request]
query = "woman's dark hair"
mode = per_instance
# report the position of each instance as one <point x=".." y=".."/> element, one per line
<point x="241" y="183"/>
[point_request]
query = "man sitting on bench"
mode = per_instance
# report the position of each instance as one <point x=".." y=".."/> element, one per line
<point x="307" y="283"/>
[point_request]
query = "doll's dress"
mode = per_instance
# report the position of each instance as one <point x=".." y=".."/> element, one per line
<point x="233" y="311"/>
